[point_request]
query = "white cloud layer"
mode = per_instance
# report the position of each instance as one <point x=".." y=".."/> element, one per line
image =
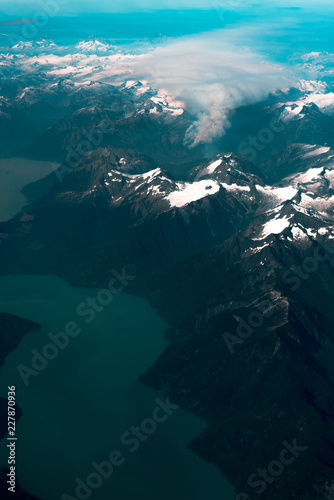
<point x="207" y="72"/>
<point x="212" y="76"/>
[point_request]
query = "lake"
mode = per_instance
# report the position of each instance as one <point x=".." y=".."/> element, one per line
<point x="15" y="174"/>
<point x="76" y="410"/>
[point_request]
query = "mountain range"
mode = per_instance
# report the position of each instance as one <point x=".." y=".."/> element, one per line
<point x="231" y="243"/>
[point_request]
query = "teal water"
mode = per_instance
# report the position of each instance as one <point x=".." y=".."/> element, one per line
<point x="15" y="174"/>
<point x="77" y="408"/>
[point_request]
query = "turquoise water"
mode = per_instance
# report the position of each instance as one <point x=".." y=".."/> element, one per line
<point x="78" y="407"/>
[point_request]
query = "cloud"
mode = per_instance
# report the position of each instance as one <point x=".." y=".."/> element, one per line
<point x="211" y="73"/>
<point x="212" y="76"/>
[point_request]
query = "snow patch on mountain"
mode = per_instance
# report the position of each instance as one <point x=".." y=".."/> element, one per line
<point x="323" y="206"/>
<point x="317" y="152"/>
<point x="257" y="249"/>
<point x="297" y="233"/>
<point x="278" y="193"/>
<point x="93" y="46"/>
<point x="235" y="187"/>
<point x="168" y="103"/>
<point x="189" y="192"/>
<point x="212" y="167"/>
<point x="325" y="102"/>
<point x="308" y="176"/>
<point x="312" y="85"/>
<point x="275" y="226"/>
<point x="329" y="175"/>
<point x="315" y="92"/>
<point x="292" y="111"/>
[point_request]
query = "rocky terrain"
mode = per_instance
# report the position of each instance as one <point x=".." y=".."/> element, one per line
<point x="233" y="247"/>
